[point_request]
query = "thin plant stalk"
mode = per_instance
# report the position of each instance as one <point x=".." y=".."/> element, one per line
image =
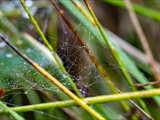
<point x="90" y="54"/>
<point x="84" y="13"/>
<point x="55" y="81"/>
<point x="89" y="100"/>
<point x="143" y="40"/>
<point x="142" y="37"/>
<point x="146" y="84"/>
<point x="9" y="110"/>
<point x="117" y="58"/>
<point x="50" y="48"/>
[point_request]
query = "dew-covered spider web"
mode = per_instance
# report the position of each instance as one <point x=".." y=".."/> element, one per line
<point x="21" y="81"/>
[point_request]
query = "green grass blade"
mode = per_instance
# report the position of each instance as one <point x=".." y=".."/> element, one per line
<point x="14" y="114"/>
<point x="137" y="8"/>
<point x="89" y="100"/>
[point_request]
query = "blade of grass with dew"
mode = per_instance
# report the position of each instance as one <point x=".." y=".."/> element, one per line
<point x="8" y="27"/>
<point x="123" y="56"/>
<point x="62" y="68"/>
<point x="27" y="42"/>
<point x="38" y="57"/>
<point x="54" y="80"/>
<point x="39" y="52"/>
<point x="145" y="67"/>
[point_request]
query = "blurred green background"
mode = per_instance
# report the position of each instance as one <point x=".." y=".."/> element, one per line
<point x="23" y="85"/>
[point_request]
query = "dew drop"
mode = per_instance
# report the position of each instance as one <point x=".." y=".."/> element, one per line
<point x="85" y="101"/>
<point x="40" y="39"/>
<point x="2" y="44"/>
<point x="19" y="42"/>
<point x="53" y="53"/>
<point x="29" y="50"/>
<point x="29" y="3"/>
<point x="1" y="64"/>
<point x="42" y="112"/>
<point x="9" y="55"/>
<point x="57" y="90"/>
<point x="65" y="75"/>
<point x="65" y="43"/>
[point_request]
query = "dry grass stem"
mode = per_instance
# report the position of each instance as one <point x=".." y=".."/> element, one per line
<point x="143" y="40"/>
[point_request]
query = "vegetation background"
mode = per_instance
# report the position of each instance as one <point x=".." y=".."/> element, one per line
<point x="23" y="85"/>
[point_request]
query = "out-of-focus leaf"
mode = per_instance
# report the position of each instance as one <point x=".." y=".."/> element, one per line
<point x="138" y="9"/>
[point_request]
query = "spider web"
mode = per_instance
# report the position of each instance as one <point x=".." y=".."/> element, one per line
<point x="19" y="78"/>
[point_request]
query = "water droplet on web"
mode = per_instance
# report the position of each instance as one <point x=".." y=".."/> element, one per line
<point x="29" y="3"/>
<point x="9" y="55"/>
<point x="53" y="53"/>
<point x="57" y="90"/>
<point x="31" y="27"/>
<point x="91" y="106"/>
<point x="65" y="43"/>
<point x="80" y="77"/>
<point x="85" y="101"/>
<point x="42" y="112"/>
<point x="65" y="75"/>
<point x="2" y="44"/>
<point x="29" y="50"/>
<point x="90" y="54"/>
<point x="19" y="42"/>
<point x="40" y="39"/>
